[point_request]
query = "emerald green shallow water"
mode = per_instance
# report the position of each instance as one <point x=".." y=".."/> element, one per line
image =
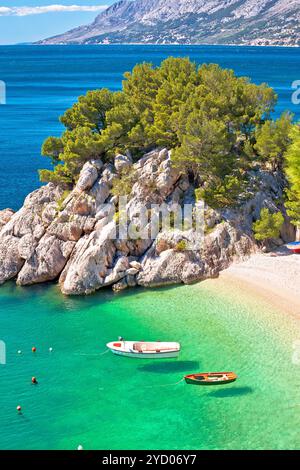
<point x="110" y="402"/>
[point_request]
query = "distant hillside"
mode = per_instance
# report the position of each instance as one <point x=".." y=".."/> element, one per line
<point x="252" y="22"/>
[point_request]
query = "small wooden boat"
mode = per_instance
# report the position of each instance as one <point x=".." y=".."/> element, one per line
<point x="144" y="350"/>
<point x="211" y="378"/>
<point x="294" y="247"/>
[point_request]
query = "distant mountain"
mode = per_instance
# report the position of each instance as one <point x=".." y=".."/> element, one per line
<point x="252" y="22"/>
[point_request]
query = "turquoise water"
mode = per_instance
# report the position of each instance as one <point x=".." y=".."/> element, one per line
<point x="110" y="402"/>
<point x="107" y="402"/>
<point x="43" y="81"/>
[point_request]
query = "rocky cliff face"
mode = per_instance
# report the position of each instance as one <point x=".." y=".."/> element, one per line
<point x="191" y="22"/>
<point x="73" y="238"/>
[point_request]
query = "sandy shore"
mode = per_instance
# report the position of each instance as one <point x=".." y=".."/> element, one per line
<point x="273" y="276"/>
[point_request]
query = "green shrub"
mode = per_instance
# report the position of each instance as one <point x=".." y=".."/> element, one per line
<point x="117" y="217"/>
<point x="122" y="184"/>
<point x="181" y="245"/>
<point x="222" y="193"/>
<point x="268" y="225"/>
<point x="60" y="201"/>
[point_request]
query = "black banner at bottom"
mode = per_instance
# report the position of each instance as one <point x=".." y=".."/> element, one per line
<point x="134" y="459"/>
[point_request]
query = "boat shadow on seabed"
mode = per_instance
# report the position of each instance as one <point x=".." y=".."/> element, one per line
<point x="231" y="392"/>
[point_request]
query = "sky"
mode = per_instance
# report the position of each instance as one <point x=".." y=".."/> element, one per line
<point x="30" y="20"/>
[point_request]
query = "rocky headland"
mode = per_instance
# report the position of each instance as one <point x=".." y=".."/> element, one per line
<point x="68" y="236"/>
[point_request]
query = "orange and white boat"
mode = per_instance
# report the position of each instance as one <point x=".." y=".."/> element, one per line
<point x="294" y="247"/>
<point x="211" y="378"/>
<point x="144" y="349"/>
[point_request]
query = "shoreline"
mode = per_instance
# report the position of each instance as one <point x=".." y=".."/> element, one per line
<point x="273" y="277"/>
<point x="295" y="46"/>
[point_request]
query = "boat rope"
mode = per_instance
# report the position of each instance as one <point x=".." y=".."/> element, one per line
<point x="93" y="354"/>
<point x="166" y="385"/>
<point x="155" y="386"/>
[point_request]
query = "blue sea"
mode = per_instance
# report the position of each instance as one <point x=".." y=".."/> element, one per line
<point x="44" y="81"/>
<point x="87" y="396"/>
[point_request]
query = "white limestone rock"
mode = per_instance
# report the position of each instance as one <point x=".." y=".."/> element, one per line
<point x="122" y="162"/>
<point x="88" y="175"/>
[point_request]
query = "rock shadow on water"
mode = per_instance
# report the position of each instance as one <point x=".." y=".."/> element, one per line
<point x="231" y="392"/>
<point x="167" y="367"/>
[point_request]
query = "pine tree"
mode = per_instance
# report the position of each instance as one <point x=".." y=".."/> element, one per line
<point x="273" y="139"/>
<point x="212" y="120"/>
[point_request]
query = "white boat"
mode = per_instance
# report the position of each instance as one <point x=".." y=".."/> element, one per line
<point x="144" y="349"/>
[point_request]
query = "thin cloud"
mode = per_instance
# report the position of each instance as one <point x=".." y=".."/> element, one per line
<point x="26" y="11"/>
